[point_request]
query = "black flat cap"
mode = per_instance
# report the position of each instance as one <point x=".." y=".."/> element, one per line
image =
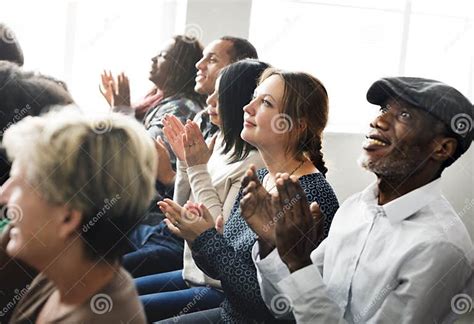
<point x="440" y="100"/>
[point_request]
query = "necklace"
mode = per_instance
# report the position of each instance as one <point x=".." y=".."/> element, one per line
<point x="268" y="176"/>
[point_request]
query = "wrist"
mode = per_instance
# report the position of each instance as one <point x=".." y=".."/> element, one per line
<point x="296" y="265"/>
<point x="265" y="248"/>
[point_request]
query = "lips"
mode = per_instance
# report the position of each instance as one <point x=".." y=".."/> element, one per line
<point x="375" y="141"/>
<point x="199" y="77"/>
<point x="248" y="123"/>
<point x="211" y="111"/>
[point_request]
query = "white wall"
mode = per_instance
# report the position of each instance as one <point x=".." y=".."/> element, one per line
<point x="212" y="19"/>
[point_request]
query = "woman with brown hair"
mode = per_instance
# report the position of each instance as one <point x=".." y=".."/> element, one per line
<point x="284" y="121"/>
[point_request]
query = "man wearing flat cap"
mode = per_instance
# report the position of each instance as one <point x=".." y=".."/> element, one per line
<point x="397" y="252"/>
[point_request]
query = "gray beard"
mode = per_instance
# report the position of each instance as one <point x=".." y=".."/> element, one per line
<point x="398" y="166"/>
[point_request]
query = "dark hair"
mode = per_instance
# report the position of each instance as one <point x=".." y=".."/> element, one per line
<point x="24" y="94"/>
<point x="241" y="49"/>
<point x="184" y="55"/>
<point x="305" y="103"/>
<point x="237" y="84"/>
<point x="10" y="49"/>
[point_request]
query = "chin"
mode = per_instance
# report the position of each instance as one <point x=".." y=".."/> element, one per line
<point x="247" y="137"/>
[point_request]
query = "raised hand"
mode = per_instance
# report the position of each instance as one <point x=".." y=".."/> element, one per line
<point x="300" y="229"/>
<point x="187" y="222"/>
<point x="257" y="209"/>
<point x="117" y="93"/>
<point x="165" y="173"/>
<point x="122" y="96"/>
<point x="196" y="151"/>
<point x="107" y="88"/>
<point x="174" y="133"/>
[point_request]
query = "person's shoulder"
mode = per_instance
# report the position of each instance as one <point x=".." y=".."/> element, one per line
<point x="117" y="302"/>
<point x="185" y="101"/>
<point x="318" y="183"/>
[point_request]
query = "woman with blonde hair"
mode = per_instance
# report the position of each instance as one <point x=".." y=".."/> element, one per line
<point x="77" y="186"/>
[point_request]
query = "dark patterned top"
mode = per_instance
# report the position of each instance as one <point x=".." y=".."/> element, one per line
<point x="228" y="257"/>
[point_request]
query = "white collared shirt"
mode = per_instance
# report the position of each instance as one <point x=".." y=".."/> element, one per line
<point x="402" y="262"/>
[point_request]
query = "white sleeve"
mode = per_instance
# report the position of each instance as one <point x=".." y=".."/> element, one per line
<point x="182" y="188"/>
<point x="427" y="283"/>
<point x="270" y="271"/>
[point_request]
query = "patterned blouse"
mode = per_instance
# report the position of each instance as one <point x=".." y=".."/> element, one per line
<point x="228" y="257"/>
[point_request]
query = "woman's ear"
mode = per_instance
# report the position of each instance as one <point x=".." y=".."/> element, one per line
<point x="302" y="125"/>
<point x="70" y="222"/>
<point x="444" y="148"/>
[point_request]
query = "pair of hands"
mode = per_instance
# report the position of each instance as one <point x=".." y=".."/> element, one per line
<point x="284" y="221"/>
<point x="187" y="141"/>
<point x="115" y="91"/>
<point x="189" y="221"/>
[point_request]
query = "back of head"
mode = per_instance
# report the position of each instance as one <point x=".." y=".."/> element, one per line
<point x="24" y="94"/>
<point x="304" y="115"/>
<point x="10" y="49"/>
<point x="236" y="87"/>
<point x="241" y="48"/>
<point x="101" y="166"/>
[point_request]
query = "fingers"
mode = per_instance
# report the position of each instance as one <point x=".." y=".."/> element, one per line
<point x="160" y="145"/>
<point x="175" y="123"/>
<point x="186" y="142"/>
<point x="250" y="175"/>
<point x="173" y="229"/>
<point x="205" y="212"/>
<point x="315" y="210"/>
<point x="220" y="224"/>
<point x="170" y="212"/>
<point x="170" y="134"/>
<point x="250" y="188"/>
<point x="176" y="207"/>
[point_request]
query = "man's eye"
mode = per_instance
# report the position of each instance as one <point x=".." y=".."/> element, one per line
<point x="405" y="115"/>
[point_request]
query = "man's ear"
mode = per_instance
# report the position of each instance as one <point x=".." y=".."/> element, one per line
<point x="71" y="220"/>
<point x="444" y="148"/>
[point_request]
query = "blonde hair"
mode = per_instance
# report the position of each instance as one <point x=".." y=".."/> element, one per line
<point x="103" y="166"/>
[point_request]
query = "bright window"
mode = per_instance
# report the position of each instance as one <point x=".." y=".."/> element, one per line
<point x="348" y="44"/>
<point x="75" y="40"/>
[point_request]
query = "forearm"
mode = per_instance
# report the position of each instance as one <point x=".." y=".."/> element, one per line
<point x="309" y="297"/>
<point x="203" y="190"/>
<point x="182" y="188"/>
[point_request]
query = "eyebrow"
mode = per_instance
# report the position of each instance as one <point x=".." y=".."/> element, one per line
<point x="268" y="95"/>
<point x="211" y="53"/>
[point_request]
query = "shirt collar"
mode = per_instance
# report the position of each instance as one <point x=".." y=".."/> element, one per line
<point x="406" y="205"/>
